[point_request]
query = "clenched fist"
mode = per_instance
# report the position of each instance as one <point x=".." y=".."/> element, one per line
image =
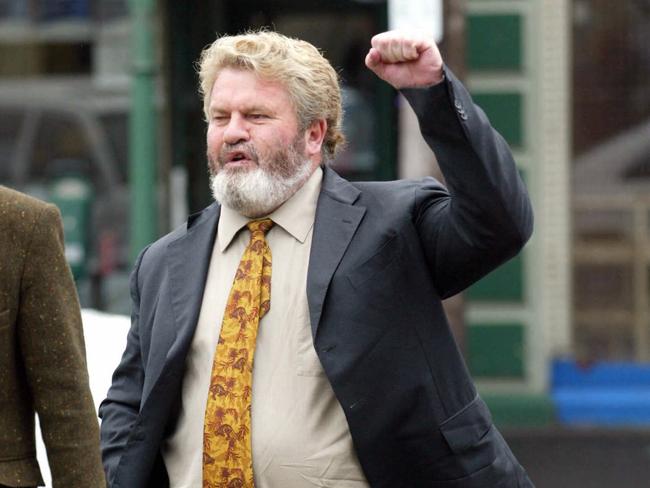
<point x="405" y="60"/>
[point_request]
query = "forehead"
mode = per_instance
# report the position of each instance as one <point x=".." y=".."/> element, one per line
<point x="240" y="86"/>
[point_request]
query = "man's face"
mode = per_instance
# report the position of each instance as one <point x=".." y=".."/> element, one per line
<point x="256" y="153"/>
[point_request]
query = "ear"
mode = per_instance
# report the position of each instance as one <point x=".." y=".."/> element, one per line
<point x="314" y="136"/>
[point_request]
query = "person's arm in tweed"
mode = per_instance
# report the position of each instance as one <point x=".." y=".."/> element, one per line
<point x="52" y="347"/>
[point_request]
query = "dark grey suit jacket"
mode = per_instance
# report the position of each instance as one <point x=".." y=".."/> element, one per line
<point x="383" y="256"/>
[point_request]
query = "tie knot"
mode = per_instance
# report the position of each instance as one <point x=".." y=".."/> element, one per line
<point x="259" y="226"/>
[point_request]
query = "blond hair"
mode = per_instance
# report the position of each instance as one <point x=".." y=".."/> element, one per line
<point x="308" y="77"/>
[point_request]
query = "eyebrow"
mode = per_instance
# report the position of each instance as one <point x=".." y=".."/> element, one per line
<point x="252" y="108"/>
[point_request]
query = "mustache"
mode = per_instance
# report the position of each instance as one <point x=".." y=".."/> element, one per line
<point x="247" y="148"/>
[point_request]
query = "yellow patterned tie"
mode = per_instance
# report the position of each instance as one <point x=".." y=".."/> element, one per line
<point x="227" y="457"/>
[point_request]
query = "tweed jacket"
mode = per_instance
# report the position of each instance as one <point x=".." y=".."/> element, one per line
<point x="42" y="353"/>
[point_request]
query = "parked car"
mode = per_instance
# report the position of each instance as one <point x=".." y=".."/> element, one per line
<point x="66" y="141"/>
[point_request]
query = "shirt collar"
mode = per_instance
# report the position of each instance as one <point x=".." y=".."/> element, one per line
<point x="295" y="216"/>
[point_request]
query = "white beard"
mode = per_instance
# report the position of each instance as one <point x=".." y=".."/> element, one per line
<point x="257" y="192"/>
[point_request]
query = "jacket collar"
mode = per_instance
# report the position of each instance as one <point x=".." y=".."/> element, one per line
<point x="337" y="219"/>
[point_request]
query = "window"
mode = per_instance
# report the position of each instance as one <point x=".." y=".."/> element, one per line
<point x="611" y="123"/>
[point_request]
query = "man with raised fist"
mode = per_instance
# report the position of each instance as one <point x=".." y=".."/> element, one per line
<point x="333" y="287"/>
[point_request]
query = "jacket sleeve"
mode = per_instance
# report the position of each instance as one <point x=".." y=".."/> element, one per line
<point x="120" y="410"/>
<point x="484" y="216"/>
<point x="52" y="346"/>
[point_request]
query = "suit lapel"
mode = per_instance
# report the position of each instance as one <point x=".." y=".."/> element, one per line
<point x="188" y="260"/>
<point x="335" y="223"/>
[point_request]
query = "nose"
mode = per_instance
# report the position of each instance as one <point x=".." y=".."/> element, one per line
<point x="236" y="130"/>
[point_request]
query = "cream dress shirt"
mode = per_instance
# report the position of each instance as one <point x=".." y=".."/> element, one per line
<point x="300" y="437"/>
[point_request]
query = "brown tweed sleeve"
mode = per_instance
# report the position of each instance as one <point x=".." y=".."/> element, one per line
<point x="52" y="346"/>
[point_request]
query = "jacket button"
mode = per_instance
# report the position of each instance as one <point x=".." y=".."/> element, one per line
<point x="457" y="104"/>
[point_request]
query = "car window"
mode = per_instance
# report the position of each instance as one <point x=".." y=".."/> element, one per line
<point x="11" y="122"/>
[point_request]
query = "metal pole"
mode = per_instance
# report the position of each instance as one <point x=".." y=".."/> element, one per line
<point x="142" y="140"/>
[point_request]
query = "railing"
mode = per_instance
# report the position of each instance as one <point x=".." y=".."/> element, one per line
<point x="612" y="239"/>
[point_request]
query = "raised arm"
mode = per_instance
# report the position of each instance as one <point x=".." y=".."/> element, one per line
<point x="485" y="216"/>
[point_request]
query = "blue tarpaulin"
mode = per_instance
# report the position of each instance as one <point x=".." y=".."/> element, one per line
<point x="605" y="394"/>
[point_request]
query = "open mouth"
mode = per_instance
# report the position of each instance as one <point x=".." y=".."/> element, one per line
<point x="234" y="156"/>
<point x="237" y="157"/>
